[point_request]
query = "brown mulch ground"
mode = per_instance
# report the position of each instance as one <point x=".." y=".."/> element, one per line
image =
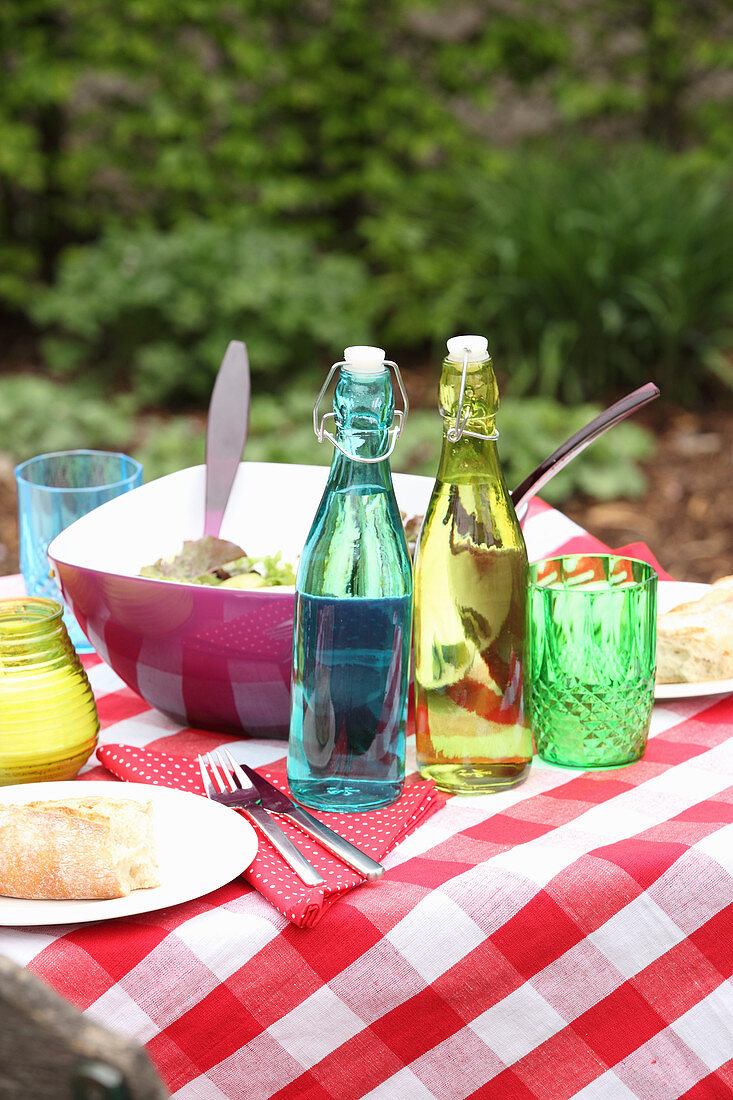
<point x="686" y="514"/>
<point x="685" y="517"/>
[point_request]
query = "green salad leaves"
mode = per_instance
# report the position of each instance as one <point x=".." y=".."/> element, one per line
<point x="214" y="561"/>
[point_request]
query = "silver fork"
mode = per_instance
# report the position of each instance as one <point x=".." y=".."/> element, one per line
<point x="217" y="778"/>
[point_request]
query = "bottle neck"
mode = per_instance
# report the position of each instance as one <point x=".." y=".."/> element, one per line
<point x="475" y="399"/>
<point x="346" y="473"/>
<point x="467" y="458"/>
<point x="363" y="409"/>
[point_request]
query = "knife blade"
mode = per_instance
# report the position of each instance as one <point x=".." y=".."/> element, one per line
<point x="275" y="800"/>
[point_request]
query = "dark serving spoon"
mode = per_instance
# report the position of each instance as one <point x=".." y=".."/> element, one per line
<point x="572" y="447"/>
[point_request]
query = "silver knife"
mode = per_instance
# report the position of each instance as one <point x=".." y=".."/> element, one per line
<point x="279" y="803"/>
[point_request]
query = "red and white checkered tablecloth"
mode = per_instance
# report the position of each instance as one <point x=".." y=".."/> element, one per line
<point x="570" y="938"/>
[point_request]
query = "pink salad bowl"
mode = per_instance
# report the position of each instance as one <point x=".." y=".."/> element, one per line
<point x="211" y="658"/>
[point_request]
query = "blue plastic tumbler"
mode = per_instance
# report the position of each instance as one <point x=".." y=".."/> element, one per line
<point x="53" y="491"/>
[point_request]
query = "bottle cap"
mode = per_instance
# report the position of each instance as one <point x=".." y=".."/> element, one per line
<point x="477" y="347"/>
<point x="362" y="359"/>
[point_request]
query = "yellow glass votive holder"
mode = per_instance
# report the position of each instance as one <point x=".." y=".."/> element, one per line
<point x="48" y="717"/>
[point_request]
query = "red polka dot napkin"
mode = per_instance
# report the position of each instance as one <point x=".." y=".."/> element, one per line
<point x="376" y="832"/>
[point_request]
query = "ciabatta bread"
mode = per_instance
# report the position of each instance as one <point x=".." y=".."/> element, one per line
<point x="76" y="848"/>
<point x="695" y="640"/>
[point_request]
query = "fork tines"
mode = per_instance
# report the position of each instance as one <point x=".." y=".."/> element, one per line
<point x="221" y="770"/>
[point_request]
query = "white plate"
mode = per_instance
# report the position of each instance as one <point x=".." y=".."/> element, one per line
<point x="201" y="845"/>
<point x="669" y="595"/>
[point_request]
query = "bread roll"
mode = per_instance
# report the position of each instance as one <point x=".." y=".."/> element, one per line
<point x="695" y="640"/>
<point x="76" y="848"/>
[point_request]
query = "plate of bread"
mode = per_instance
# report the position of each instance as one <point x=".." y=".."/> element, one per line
<point x="694" y="639"/>
<point x="74" y="852"/>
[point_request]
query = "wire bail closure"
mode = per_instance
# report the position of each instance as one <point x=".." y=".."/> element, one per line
<point x="393" y="433"/>
<point x="459" y="429"/>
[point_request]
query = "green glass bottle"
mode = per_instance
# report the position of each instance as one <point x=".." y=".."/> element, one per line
<point x="470" y="596"/>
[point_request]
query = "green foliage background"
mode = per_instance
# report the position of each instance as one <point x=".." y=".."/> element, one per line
<point x="304" y="174"/>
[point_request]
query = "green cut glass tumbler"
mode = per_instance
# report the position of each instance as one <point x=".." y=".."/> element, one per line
<point x="591" y="658"/>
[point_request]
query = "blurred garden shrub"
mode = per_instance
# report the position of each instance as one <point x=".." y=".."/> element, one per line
<point x="38" y="416"/>
<point x="590" y="270"/>
<point x="157" y="309"/>
<point x="305" y="175"/>
<point x="589" y="273"/>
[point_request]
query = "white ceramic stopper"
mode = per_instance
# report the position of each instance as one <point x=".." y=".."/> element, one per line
<point x="362" y="359"/>
<point x="478" y="348"/>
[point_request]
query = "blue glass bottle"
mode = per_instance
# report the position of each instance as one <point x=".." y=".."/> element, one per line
<point x="353" y="608"/>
